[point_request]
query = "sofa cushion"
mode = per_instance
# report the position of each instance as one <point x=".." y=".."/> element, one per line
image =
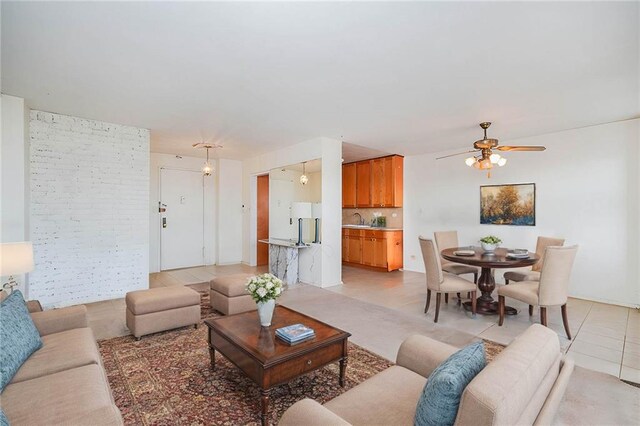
<point x="161" y="299"/>
<point x="59" y="352"/>
<point x="18" y="334"/>
<point x="231" y="285"/>
<point x="438" y="404"/>
<point x="53" y="399"/>
<point x="388" y="398"/>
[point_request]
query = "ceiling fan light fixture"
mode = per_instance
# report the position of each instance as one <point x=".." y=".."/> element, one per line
<point x="495" y="158"/>
<point x="470" y="161"/>
<point x="502" y="161"/>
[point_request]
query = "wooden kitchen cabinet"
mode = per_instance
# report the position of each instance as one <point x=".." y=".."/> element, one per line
<point x="349" y="185"/>
<point x="378" y="183"/>
<point x="363" y="184"/>
<point x="376" y="249"/>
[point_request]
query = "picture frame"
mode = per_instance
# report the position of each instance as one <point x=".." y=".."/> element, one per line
<point x="508" y="204"/>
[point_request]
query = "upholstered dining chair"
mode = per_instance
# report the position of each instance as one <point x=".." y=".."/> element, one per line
<point x="449" y="239"/>
<point x="551" y="290"/>
<point x="533" y="274"/>
<point x="441" y="282"/>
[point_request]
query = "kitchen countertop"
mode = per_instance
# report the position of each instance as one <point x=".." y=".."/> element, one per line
<point x="374" y="228"/>
<point x="282" y="242"/>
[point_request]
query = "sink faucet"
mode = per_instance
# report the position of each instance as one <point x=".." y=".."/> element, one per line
<point x="361" y="221"/>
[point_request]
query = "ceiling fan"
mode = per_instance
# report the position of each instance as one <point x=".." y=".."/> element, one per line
<point x="486" y="158"/>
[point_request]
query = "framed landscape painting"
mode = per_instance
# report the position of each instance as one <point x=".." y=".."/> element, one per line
<point x="513" y="204"/>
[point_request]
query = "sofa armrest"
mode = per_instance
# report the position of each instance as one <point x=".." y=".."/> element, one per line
<point x="550" y="408"/>
<point x="34" y="306"/>
<point x="308" y="412"/>
<point x="57" y="320"/>
<point x="422" y="354"/>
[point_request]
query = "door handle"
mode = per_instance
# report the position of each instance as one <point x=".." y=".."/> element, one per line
<point x="164" y="222"/>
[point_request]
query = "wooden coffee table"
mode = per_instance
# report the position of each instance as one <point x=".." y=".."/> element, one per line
<point x="267" y="360"/>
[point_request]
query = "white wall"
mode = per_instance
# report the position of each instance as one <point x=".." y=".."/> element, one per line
<point x="14" y="175"/>
<point x="159" y="161"/>
<point x="330" y="152"/>
<point x="229" y="211"/>
<point x="586" y="191"/>
<point x="89" y="209"/>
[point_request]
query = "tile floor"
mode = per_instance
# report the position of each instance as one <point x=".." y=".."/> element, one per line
<point x="606" y="337"/>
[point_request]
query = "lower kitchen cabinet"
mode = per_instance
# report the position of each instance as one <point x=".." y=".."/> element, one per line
<point x="377" y="249"/>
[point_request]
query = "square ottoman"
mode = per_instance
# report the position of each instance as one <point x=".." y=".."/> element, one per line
<point x="160" y="309"/>
<point x="229" y="295"/>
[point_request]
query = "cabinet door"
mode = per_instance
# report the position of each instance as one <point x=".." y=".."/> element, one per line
<point x="368" y="251"/>
<point x="349" y="185"/>
<point x="389" y="178"/>
<point x="380" y="252"/>
<point x="354" y="247"/>
<point x="363" y="184"/>
<point x="378" y="182"/>
<point x="345" y="248"/>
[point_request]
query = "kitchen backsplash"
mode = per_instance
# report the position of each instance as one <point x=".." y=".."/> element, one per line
<point x="348" y="217"/>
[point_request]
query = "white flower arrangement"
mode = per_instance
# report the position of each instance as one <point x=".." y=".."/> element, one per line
<point x="264" y="287"/>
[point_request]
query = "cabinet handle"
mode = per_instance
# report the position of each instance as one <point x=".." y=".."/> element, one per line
<point x="309" y="362"/>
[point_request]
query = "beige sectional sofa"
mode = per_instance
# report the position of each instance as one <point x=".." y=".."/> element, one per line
<point x="523" y="385"/>
<point x="63" y="382"/>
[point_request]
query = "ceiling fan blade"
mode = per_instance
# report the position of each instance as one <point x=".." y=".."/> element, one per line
<point x="520" y="148"/>
<point x="453" y="155"/>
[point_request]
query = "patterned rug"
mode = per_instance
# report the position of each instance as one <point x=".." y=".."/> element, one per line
<point x="165" y="379"/>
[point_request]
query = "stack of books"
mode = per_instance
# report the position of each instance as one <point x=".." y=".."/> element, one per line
<point x="296" y="333"/>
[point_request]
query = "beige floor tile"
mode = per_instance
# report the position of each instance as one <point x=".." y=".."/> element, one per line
<point x="596" y="364"/>
<point x="596" y="351"/>
<point x="597" y="339"/>
<point x="631" y="360"/>
<point x="630" y="347"/>
<point x="613" y="333"/>
<point x="630" y="374"/>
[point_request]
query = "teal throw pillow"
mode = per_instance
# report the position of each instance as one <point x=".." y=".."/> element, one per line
<point x="3" y="419"/>
<point x="440" y="399"/>
<point x="18" y="334"/>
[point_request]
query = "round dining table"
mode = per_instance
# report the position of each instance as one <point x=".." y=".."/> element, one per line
<point x="487" y="261"/>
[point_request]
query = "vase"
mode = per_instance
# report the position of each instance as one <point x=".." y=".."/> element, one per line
<point x="489" y="248"/>
<point x="265" y="312"/>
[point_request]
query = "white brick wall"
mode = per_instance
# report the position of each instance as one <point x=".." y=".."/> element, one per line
<point x="89" y="209"/>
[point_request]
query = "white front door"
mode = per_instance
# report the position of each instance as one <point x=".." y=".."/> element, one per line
<point x="182" y="223"/>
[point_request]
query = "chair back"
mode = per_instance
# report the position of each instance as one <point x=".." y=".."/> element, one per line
<point x="445" y="240"/>
<point x="541" y="245"/>
<point x="432" y="265"/>
<point x="554" y="277"/>
<point x="517" y="385"/>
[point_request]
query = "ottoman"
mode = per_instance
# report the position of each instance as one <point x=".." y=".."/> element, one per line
<point x="229" y="295"/>
<point x="159" y="309"/>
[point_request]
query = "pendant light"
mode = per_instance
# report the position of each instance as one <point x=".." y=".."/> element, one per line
<point x="304" y="179"/>
<point x="207" y="168"/>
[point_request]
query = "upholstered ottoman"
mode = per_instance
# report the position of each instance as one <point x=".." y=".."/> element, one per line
<point x="228" y="294"/>
<point x="159" y="309"/>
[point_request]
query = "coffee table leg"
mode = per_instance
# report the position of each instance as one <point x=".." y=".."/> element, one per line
<point x="212" y="355"/>
<point x="343" y="370"/>
<point x="264" y="401"/>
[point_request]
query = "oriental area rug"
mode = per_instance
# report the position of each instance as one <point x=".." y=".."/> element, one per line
<point x="165" y="379"/>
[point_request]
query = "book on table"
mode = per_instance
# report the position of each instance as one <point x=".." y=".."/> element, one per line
<point x="295" y="333"/>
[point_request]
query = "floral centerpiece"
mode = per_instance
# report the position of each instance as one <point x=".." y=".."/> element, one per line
<point x="264" y="289"/>
<point x="490" y="243"/>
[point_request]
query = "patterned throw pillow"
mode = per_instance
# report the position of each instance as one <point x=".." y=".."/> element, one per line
<point x="18" y="334"/>
<point x="438" y="405"/>
<point x="3" y="419"/>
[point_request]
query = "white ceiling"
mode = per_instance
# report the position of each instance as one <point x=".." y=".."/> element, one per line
<point x="396" y="77"/>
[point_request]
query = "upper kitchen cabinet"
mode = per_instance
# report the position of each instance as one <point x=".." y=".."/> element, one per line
<point x="378" y="183"/>
<point x="349" y="185"/>
<point x="363" y="184"/>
